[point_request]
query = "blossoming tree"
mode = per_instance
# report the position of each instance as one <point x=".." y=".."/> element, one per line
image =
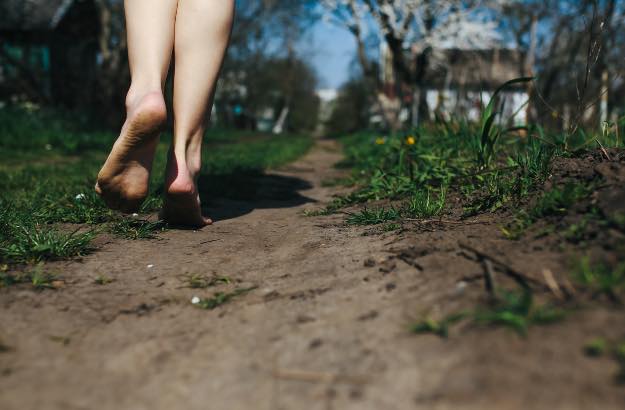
<point x="412" y="32"/>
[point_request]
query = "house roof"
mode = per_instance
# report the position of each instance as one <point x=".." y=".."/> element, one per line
<point x="474" y="68"/>
<point x="32" y="15"/>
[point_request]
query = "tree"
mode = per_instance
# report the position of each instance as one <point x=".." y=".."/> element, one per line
<point x="576" y="56"/>
<point x="412" y="32"/>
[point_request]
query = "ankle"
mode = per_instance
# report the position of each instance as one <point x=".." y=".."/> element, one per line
<point x="189" y="148"/>
<point x="136" y="94"/>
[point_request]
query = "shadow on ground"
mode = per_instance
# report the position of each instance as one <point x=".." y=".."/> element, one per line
<point x="239" y="193"/>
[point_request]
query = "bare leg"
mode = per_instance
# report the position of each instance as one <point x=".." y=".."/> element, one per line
<point x="202" y="35"/>
<point x="123" y="180"/>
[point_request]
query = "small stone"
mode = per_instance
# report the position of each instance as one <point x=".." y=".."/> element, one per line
<point x="369" y="262"/>
<point x="150" y="266"/>
<point x="195" y="300"/>
<point x="57" y="284"/>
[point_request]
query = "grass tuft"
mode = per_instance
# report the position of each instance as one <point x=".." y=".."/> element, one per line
<point x="220" y="298"/>
<point x="373" y="216"/>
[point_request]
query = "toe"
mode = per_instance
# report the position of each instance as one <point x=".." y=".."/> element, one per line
<point x="98" y="190"/>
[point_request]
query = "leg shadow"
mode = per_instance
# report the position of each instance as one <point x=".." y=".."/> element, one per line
<point x="240" y="192"/>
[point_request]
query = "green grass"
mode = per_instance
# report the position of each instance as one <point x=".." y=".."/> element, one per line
<point x="133" y="228"/>
<point x="422" y="204"/>
<point x="373" y="216"/>
<point x="600" y="278"/>
<point x="440" y="327"/>
<point x="49" y="162"/>
<point x="515" y="310"/>
<point x="555" y="202"/>
<point x="484" y="166"/>
<point x="595" y="347"/>
<point x="221" y="298"/>
<point x="197" y="281"/>
<point x="103" y="280"/>
<point x="27" y="241"/>
<point x="37" y="277"/>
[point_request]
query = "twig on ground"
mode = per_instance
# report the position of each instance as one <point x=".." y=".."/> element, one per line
<point x="552" y="284"/>
<point x="489" y="277"/>
<point x="521" y="278"/>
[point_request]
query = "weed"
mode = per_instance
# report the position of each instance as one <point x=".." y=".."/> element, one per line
<point x="559" y="200"/>
<point x="555" y="202"/>
<point x="596" y="347"/>
<point x="439" y="328"/>
<point x="220" y="298"/>
<point x="422" y="205"/>
<point x="519" y="224"/>
<point x="103" y="280"/>
<point x="369" y="216"/>
<point x="515" y="310"/>
<point x="600" y="277"/>
<point x="133" y="228"/>
<point x="37" y="277"/>
<point x="37" y="242"/>
<point x="197" y="281"/>
<point x="489" y="133"/>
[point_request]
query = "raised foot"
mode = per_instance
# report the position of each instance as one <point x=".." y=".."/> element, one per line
<point x="123" y="180"/>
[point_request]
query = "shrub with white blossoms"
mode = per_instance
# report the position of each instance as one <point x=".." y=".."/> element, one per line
<point x="413" y="33"/>
<point x="421" y="23"/>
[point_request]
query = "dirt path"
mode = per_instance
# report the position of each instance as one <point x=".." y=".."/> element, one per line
<point x="326" y="327"/>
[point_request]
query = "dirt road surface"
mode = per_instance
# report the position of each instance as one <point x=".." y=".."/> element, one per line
<point x="325" y="327"/>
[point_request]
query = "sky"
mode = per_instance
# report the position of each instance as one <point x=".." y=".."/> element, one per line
<point x="332" y="50"/>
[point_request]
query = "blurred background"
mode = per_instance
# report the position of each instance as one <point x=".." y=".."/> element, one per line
<point x="337" y="66"/>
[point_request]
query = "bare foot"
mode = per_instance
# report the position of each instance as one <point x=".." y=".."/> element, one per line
<point x="182" y="199"/>
<point x="123" y="180"/>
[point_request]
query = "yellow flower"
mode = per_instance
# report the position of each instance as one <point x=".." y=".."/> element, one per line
<point x="410" y="140"/>
<point x="380" y="141"/>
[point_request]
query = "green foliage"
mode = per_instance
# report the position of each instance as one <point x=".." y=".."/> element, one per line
<point x="422" y="205"/>
<point x="103" y="280"/>
<point x="518" y="311"/>
<point x="24" y="240"/>
<point x="439" y="328"/>
<point x="512" y="309"/>
<point x="600" y="277"/>
<point x="37" y="277"/>
<point x="485" y="145"/>
<point x="197" y="281"/>
<point x="555" y="202"/>
<point x="596" y="347"/>
<point x="220" y="298"/>
<point x="133" y="228"/>
<point x="559" y="200"/>
<point x="373" y="216"/>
